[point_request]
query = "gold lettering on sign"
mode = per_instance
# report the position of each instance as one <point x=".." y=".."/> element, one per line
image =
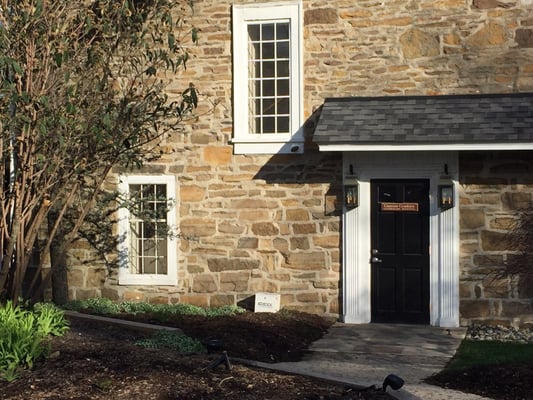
<point x="399" y="207"/>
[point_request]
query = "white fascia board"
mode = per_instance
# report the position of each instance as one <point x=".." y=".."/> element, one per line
<point x="425" y="147"/>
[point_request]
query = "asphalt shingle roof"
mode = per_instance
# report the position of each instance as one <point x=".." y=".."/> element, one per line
<point x="505" y="118"/>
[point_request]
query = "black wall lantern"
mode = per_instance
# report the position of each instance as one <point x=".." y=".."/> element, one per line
<point x="446" y="198"/>
<point x="351" y="191"/>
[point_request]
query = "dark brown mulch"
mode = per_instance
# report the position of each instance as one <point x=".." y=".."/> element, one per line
<point x="96" y="361"/>
<point x="498" y="382"/>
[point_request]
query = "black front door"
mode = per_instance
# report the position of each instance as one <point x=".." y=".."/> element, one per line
<point x="400" y="251"/>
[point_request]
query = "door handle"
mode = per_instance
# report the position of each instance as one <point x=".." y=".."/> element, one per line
<point x="376" y="260"/>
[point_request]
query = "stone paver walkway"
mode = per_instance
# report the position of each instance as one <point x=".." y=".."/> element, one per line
<point x="363" y="355"/>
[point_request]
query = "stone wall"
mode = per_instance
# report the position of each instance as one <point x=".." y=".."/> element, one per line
<point x="272" y="223"/>
<point x="494" y="188"/>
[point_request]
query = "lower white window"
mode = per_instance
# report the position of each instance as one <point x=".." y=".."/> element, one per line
<point x="147" y="245"/>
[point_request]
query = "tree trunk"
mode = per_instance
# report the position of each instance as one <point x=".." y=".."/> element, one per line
<point x="58" y="261"/>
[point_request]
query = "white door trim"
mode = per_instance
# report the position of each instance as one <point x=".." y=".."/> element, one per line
<point x="444" y="232"/>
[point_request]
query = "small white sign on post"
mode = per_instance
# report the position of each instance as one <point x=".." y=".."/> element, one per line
<point x="266" y="302"/>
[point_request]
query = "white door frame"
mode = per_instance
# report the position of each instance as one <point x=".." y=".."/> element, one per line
<point x="443" y="226"/>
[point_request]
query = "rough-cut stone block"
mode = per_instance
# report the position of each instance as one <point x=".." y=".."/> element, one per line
<point x="234" y="281"/>
<point x="85" y="294"/>
<point x="262" y="285"/>
<point x="220" y="300"/>
<point x="486" y="4"/>
<point x="299" y="243"/>
<point x="416" y="43"/>
<point x="495" y="288"/>
<point x="302" y="229"/>
<point x="320" y="16"/>
<point x="204" y="284"/>
<point x="231" y="264"/>
<point x="298" y="215"/>
<point x="191" y="193"/>
<point x="95" y="277"/>
<point x="525" y="286"/>
<point x="465" y="290"/>
<point x="474" y="308"/>
<point x="503" y="223"/>
<point x="308" y="297"/>
<point x="515" y="308"/>
<point x="75" y="277"/>
<point x="324" y="284"/>
<point x="217" y="155"/>
<point x="328" y="242"/>
<point x="471" y="218"/>
<point x="265" y="229"/>
<point x="495" y="241"/>
<point x="490" y="35"/>
<point x="248" y="243"/>
<point x="197" y="227"/>
<point x="516" y="200"/>
<point x="133" y="295"/>
<point x="157" y="300"/>
<point x="254" y="215"/>
<point x="524" y="37"/>
<point x="110" y="293"/>
<point x="199" y="300"/>
<point x="306" y="261"/>
<point x="231" y="228"/>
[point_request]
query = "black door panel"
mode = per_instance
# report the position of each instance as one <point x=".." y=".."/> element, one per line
<point x="400" y="243"/>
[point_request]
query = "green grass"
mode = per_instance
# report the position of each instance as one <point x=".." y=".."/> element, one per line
<point x="473" y="352"/>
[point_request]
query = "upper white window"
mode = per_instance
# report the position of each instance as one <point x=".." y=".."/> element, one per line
<point x="267" y="78"/>
<point x="147" y="248"/>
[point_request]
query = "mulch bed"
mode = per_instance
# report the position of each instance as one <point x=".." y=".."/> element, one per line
<point x="95" y="361"/>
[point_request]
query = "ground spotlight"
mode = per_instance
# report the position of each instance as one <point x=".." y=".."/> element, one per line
<point x="394" y="381"/>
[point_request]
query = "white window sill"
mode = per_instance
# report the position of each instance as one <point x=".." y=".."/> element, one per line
<point x="264" y="147"/>
<point x="156" y="280"/>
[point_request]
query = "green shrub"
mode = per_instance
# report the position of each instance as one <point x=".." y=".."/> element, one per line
<point x="23" y="336"/>
<point x="163" y="312"/>
<point x="50" y="320"/>
<point x="165" y="339"/>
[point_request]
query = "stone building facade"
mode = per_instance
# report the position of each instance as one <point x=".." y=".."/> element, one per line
<point x="277" y="222"/>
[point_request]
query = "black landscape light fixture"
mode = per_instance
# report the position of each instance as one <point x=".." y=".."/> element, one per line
<point x="394" y="381"/>
<point x="351" y="191"/>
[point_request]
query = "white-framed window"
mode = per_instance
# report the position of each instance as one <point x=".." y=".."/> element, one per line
<point x="267" y="78"/>
<point x="147" y="247"/>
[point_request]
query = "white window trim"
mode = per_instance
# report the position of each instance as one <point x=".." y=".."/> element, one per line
<point x="244" y="142"/>
<point x="125" y="277"/>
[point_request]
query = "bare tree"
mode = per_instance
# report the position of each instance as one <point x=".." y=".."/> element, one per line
<point x="81" y="92"/>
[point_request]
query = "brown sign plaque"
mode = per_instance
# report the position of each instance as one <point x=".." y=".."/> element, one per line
<point x="399" y="207"/>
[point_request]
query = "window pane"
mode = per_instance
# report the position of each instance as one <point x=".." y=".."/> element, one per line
<point x="267" y="32"/>
<point x="255" y="51"/>
<point x="269" y="106"/>
<point x="283" y="124"/>
<point x="282" y="50"/>
<point x="283" y="69"/>
<point x="256" y="125"/>
<point x="161" y="191"/>
<point x="253" y="32"/>
<point x="283" y="106"/>
<point x="283" y="87"/>
<point x="269" y="69"/>
<point x="268" y="88"/>
<point x="256" y="69"/>
<point x="282" y="31"/>
<point x="269" y="125"/>
<point x="268" y="51"/>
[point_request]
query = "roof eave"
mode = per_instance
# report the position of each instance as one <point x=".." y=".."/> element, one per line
<point x="423" y="147"/>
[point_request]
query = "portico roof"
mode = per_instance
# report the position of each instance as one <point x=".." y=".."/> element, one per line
<point x="450" y="122"/>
